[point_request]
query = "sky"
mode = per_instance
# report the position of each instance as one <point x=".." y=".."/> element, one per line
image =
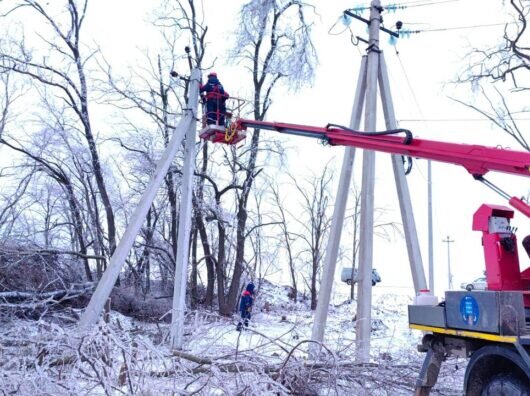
<point x="421" y="68"/>
<point x="420" y="78"/>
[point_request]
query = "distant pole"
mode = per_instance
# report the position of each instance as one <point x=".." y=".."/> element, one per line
<point x="429" y="224"/>
<point x="449" y="275"/>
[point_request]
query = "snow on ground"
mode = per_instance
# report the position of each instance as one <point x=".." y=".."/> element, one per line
<point x="132" y="357"/>
<point x="278" y="325"/>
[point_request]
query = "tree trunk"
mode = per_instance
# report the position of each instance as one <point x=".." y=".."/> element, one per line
<point x="314" y="272"/>
<point x="193" y="277"/>
<point x="208" y="257"/>
<point x="225" y="308"/>
<point x="242" y="216"/>
<point x="293" y="273"/>
<point x="78" y="227"/>
<point x="94" y="155"/>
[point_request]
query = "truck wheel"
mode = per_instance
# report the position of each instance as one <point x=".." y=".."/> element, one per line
<point x="348" y="282"/>
<point x="506" y="385"/>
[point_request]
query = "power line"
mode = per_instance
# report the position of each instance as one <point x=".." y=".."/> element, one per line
<point x="421" y="2"/>
<point x="409" y="4"/>
<point x="416" y="101"/>
<point x="405" y="33"/>
<point x="460" y="119"/>
<point x="339" y="19"/>
<point x="463" y="27"/>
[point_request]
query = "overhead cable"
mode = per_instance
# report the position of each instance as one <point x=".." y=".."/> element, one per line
<point x="401" y="6"/>
<point x="456" y="28"/>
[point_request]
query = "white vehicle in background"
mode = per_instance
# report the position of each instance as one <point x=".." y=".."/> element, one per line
<point x="477" y="284"/>
<point x="347" y="272"/>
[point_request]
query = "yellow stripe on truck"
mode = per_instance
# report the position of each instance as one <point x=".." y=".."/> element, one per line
<point x="465" y="333"/>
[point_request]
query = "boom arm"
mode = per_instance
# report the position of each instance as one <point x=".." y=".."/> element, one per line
<point x="476" y="159"/>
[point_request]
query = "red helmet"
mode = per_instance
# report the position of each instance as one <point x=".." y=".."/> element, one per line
<point x="212" y="74"/>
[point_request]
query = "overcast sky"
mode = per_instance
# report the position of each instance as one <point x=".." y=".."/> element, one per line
<point x="429" y="61"/>
<point x="420" y="80"/>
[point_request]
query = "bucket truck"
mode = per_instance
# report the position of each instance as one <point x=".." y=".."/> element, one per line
<point x="489" y="327"/>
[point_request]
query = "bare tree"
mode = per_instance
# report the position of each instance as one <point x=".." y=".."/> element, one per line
<point x="264" y="261"/>
<point x="273" y="43"/>
<point x="500" y="113"/>
<point x="507" y="62"/>
<point x="315" y="223"/>
<point x="9" y="199"/>
<point x="287" y="238"/>
<point x="55" y="171"/>
<point x="63" y="74"/>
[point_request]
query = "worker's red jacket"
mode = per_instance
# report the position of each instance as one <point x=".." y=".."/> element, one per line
<point x="213" y="89"/>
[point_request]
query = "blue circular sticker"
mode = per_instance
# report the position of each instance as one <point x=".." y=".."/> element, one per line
<point x="469" y="310"/>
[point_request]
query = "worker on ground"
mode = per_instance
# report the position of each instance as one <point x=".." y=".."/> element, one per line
<point x="215" y="97"/>
<point x="245" y="306"/>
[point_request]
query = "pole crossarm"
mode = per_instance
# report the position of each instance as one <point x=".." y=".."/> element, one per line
<point x="360" y="18"/>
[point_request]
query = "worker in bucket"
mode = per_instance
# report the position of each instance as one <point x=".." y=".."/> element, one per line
<point x="215" y="97"/>
<point x="245" y="306"/>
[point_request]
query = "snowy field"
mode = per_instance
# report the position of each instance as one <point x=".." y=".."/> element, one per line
<point x="125" y="356"/>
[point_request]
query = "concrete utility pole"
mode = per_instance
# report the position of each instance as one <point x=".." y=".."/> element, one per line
<point x="183" y="241"/>
<point x="429" y="226"/>
<point x="364" y="290"/>
<point x="449" y="275"/>
<point x="405" y="204"/>
<point x="373" y="69"/>
<point x="105" y="285"/>
<point x="339" y="211"/>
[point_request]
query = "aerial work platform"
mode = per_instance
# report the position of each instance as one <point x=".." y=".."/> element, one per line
<point x="224" y="130"/>
<point x="222" y="134"/>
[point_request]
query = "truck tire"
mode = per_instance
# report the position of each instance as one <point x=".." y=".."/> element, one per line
<point x="497" y="369"/>
<point x="506" y="385"/>
<point x="348" y="282"/>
